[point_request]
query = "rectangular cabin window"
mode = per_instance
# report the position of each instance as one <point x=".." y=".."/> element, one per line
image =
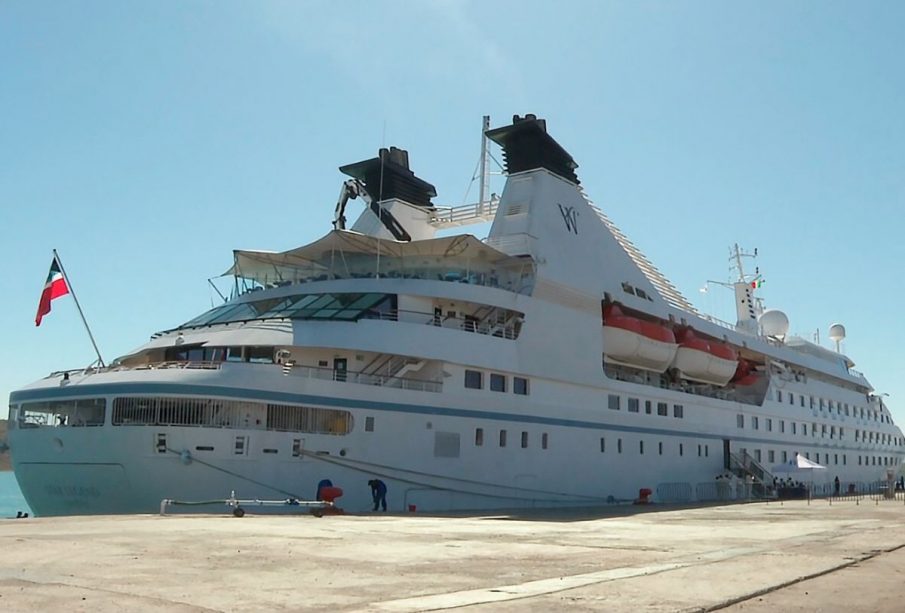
<point x="794" y="427"/>
<point x="757" y="454"/>
<point x="502" y="438"/>
<point x="699" y="450"/>
<point x="640" y="447"/>
<point x="259" y="355"/>
<point x="479" y="437"/>
<point x="647" y="406"/>
<point x="296" y="447"/>
<point x="369" y="424"/>
<point x="754" y="422"/>
<point x="801" y="400"/>
<point x="520" y="386"/>
<point x="474" y="379"/>
<point x="791" y="398"/>
<point x="740" y="420"/>
<point x="771" y="456"/>
<point x="633" y="405"/>
<point x="778" y="395"/>
<point x="681" y="449"/>
<point x="619" y="445"/>
<point x="812" y="401"/>
<point x="544" y="440"/>
<point x="524" y="440"/>
<point x="613" y="402"/>
<point x="782" y="425"/>
<point x="233" y="354"/>
<point x="785" y="456"/>
<point x="602" y="445"/>
<point x="497" y="382"/>
<point x="660" y="448"/>
<point x="678" y="411"/>
<point x="706" y="451"/>
<point x="769" y="425"/>
<point x="662" y="409"/>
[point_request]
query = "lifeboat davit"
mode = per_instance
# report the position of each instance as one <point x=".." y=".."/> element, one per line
<point x="698" y="359"/>
<point x="635" y="342"/>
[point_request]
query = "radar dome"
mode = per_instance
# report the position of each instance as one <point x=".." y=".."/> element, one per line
<point x="774" y="323"/>
<point x="837" y="332"/>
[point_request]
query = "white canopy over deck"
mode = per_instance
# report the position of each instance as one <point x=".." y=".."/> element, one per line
<point x="342" y="254"/>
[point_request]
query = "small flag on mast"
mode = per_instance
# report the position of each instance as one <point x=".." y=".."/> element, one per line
<point x="53" y="288"/>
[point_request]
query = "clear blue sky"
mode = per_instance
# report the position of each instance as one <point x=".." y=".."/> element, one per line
<point x="145" y="141"/>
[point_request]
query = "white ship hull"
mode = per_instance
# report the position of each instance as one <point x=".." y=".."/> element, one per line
<point x="465" y="374"/>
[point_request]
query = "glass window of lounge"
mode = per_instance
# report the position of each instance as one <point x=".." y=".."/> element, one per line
<point x="520" y="386"/>
<point x="474" y="379"/>
<point x="497" y="382"/>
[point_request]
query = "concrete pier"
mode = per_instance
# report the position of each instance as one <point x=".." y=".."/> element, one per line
<point x="751" y="557"/>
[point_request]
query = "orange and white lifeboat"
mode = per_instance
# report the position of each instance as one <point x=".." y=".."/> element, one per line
<point x="635" y="342"/>
<point x="744" y="373"/>
<point x="698" y="359"/>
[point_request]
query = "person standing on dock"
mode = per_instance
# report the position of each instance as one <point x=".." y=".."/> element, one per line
<point x="378" y="493"/>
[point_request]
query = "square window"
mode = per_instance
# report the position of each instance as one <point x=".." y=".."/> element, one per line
<point x="613" y="402"/>
<point x="662" y="409"/>
<point x="497" y="382"/>
<point x="520" y="386"/>
<point x="633" y="405"/>
<point x="474" y="379"/>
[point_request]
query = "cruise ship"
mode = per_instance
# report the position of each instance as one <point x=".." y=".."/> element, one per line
<point x="550" y="364"/>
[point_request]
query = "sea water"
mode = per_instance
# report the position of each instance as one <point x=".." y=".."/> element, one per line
<point x="11" y="499"/>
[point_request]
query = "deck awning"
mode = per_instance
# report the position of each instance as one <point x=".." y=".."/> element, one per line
<point x="350" y="251"/>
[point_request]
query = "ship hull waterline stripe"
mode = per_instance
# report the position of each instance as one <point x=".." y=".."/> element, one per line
<point x="147" y="388"/>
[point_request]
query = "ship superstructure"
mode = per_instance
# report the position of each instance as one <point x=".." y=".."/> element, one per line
<point x="550" y="364"/>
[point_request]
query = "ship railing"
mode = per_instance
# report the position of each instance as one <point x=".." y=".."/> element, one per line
<point x="171" y="364"/>
<point x="310" y="372"/>
<point x="360" y="378"/>
<point x="468" y="324"/>
<point x="512" y="278"/>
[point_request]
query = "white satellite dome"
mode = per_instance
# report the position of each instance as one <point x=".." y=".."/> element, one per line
<point x="774" y="323"/>
<point x="837" y="332"/>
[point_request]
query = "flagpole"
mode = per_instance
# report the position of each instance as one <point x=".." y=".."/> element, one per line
<point x="79" y="307"/>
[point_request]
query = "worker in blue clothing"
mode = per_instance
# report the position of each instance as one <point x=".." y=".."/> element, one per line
<point x="378" y="493"/>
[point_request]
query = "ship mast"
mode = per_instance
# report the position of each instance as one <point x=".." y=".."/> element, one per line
<point x="747" y="307"/>
<point x="484" y="184"/>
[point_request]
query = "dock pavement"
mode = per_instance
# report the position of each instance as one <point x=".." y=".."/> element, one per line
<point x="844" y="556"/>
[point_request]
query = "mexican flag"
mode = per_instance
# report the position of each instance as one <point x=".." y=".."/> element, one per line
<point x="53" y="288"/>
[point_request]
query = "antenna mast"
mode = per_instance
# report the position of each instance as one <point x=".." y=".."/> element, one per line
<point x="483" y="192"/>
